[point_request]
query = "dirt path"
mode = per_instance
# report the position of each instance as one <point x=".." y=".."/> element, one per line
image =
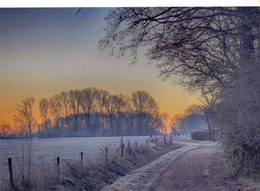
<point x="192" y="171"/>
<point x="142" y="178"/>
<point x="200" y="168"/>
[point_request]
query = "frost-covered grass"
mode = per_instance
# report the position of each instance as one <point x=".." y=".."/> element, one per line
<point x="92" y="174"/>
<point x="96" y="174"/>
<point x="45" y="150"/>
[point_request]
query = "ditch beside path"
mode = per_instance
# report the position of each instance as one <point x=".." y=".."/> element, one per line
<point x="198" y="166"/>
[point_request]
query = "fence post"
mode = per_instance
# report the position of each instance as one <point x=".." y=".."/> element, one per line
<point x="58" y="168"/>
<point x="164" y="138"/>
<point x="171" y="137"/>
<point x="106" y="154"/>
<point x="81" y="157"/>
<point x="136" y="144"/>
<point x="156" y="141"/>
<point x="11" y="172"/>
<point x="147" y="144"/>
<point x="122" y="145"/>
<point x="122" y="150"/>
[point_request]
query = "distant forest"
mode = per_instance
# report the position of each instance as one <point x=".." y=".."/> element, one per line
<point x="95" y="112"/>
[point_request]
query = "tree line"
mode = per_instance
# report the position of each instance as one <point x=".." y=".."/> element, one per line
<point x="90" y="112"/>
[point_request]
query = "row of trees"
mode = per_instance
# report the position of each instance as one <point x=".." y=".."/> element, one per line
<point x="91" y="112"/>
<point x="193" y="118"/>
<point x="214" y="50"/>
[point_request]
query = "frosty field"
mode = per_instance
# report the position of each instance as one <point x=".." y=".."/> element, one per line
<point x="66" y="148"/>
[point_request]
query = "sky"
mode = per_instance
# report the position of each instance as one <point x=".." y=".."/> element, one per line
<point x="46" y="51"/>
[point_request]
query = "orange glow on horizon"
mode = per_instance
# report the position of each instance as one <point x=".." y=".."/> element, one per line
<point x="8" y="110"/>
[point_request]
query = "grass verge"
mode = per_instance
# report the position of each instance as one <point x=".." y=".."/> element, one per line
<point x="93" y="174"/>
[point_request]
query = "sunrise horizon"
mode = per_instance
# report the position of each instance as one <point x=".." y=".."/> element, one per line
<point x="46" y="51"/>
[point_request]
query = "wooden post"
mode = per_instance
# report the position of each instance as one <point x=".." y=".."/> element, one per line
<point x="122" y="151"/>
<point x="156" y="140"/>
<point x="58" y="162"/>
<point x="122" y="145"/>
<point x="106" y="154"/>
<point x="171" y="137"/>
<point x="58" y="168"/>
<point x="11" y="172"/>
<point x="136" y="144"/>
<point x="81" y="157"/>
<point x="147" y="144"/>
<point x="164" y="138"/>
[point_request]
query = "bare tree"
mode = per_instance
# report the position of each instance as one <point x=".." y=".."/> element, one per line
<point x="120" y="108"/>
<point x="55" y="111"/>
<point x="24" y="116"/>
<point x="144" y="106"/>
<point x="87" y="102"/>
<point x="193" y="109"/>
<point x="143" y="102"/>
<point x="102" y="99"/>
<point x="5" y="129"/>
<point x="201" y="45"/>
<point x="74" y="97"/>
<point x="110" y="106"/>
<point x="65" y="101"/>
<point x="130" y="112"/>
<point x="44" y="110"/>
<point x="25" y="119"/>
<point x="209" y="101"/>
<point x="165" y="121"/>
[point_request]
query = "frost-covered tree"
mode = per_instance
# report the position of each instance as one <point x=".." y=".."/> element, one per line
<point x="201" y="45"/>
<point x="214" y="48"/>
<point x="238" y="115"/>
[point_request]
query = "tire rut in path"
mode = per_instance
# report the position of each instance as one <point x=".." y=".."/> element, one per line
<point x="201" y="169"/>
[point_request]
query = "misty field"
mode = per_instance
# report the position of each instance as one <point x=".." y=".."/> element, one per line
<point x="47" y="149"/>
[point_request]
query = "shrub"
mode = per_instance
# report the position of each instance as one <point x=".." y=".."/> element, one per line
<point x="201" y="135"/>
